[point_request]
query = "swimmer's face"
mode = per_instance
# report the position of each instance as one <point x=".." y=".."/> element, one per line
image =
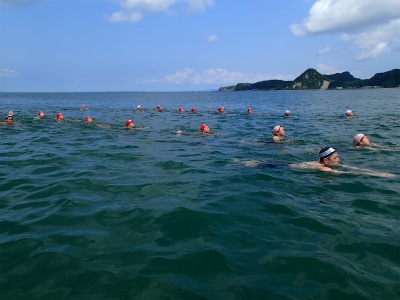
<point x="365" y="141"/>
<point x="332" y="160"/>
<point x="159" y="108"/>
<point x="249" y="111"/>
<point x="181" y="109"/>
<point x="131" y="125"/>
<point x="89" y="120"/>
<point x="83" y="106"/>
<point x="9" y="119"/>
<point x="139" y="108"/>
<point x="60" y="117"/>
<point x="206" y="129"/>
<point x="281" y="131"/>
<point x="41" y="114"/>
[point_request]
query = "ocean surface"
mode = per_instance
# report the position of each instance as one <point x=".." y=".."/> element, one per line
<point x="102" y="212"/>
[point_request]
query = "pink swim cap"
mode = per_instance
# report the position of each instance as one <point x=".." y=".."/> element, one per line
<point x="287" y="113"/>
<point x="357" y="138"/>
<point x="193" y="109"/>
<point x="348" y="112"/>
<point x="275" y="130"/>
<point x="128" y="122"/>
<point x="202" y="127"/>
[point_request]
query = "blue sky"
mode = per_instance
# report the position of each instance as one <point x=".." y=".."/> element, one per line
<point x="185" y="45"/>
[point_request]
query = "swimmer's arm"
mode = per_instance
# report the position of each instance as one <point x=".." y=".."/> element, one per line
<point x="369" y="172"/>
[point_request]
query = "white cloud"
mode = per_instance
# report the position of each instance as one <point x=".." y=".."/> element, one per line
<point x="212" y="38"/>
<point x="373" y="26"/>
<point x="325" y="50"/>
<point x="135" y="10"/>
<point x="324" y="69"/>
<point x="8" y="73"/>
<point x="217" y="76"/>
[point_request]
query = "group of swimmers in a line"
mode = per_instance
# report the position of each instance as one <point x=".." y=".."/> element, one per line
<point x="328" y="156"/>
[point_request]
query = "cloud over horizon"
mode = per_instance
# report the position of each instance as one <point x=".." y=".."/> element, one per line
<point x="372" y="26"/>
<point x="135" y="10"/>
<point x="218" y="76"/>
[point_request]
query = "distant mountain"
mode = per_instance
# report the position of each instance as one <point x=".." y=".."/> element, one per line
<point x="311" y="79"/>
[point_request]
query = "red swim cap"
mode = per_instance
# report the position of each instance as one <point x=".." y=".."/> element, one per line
<point x="202" y="127"/>
<point x="128" y="122"/>
<point x="87" y="118"/>
<point x="219" y="108"/>
<point x="59" y="115"/>
<point x="193" y="109"/>
<point x="158" y="106"/>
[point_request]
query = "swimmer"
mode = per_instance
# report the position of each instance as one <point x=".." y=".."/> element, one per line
<point x="11" y="113"/>
<point x="193" y="110"/>
<point x="139" y="108"/>
<point x="360" y="140"/>
<point x="159" y="108"/>
<point x="221" y="109"/>
<point x="204" y="128"/>
<point x="41" y="114"/>
<point x="249" y="111"/>
<point x="180" y="109"/>
<point x="89" y="120"/>
<point x="83" y="107"/>
<point x="348" y="113"/>
<point x="9" y="120"/>
<point x="60" y="117"/>
<point x="130" y="125"/>
<point x="328" y="158"/>
<point x="287" y="113"/>
<point x="279" y="133"/>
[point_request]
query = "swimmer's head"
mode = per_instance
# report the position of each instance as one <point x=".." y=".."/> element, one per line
<point x="348" y="113"/>
<point x="11" y="113"/>
<point x="139" y="107"/>
<point x="328" y="156"/>
<point x="9" y="118"/>
<point x="41" y="114"/>
<point x="129" y="123"/>
<point x="221" y="109"/>
<point x="204" y="128"/>
<point x="83" y="106"/>
<point x="89" y="120"/>
<point x="360" y="139"/>
<point x="249" y="111"/>
<point x="193" y="110"/>
<point x="60" y="117"/>
<point x="159" y="107"/>
<point x="287" y="113"/>
<point x="278" y="131"/>
<point x="181" y="109"/>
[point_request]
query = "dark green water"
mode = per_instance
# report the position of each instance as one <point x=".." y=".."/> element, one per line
<point x="94" y="213"/>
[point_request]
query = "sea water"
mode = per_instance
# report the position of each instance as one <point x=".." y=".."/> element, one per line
<point x="102" y="212"/>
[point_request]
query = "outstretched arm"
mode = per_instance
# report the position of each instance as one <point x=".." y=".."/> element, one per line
<point x="369" y="172"/>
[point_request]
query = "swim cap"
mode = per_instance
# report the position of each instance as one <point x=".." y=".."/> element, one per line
<point x="275" y="130"/>
<point x="128" y="122"/>
<point x="139" y="106"/>
<point x="287" y="113"/>
<point x="249" y="109"/>
<point x="180" y="109"/>
<point x="326" y="152"/>
<point x="87" y="118"/>
<point x="348" y="112"/>
<point x="59" y="115"/>
<point x="193" y="109"/>
<point x="202" y="127"/>
<point x="220" y="108"/>
<point x="357" y="138"/>
<point x="40" y="112"/>
<point x="158" y="107"/>
<point x="10" y="112"/>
